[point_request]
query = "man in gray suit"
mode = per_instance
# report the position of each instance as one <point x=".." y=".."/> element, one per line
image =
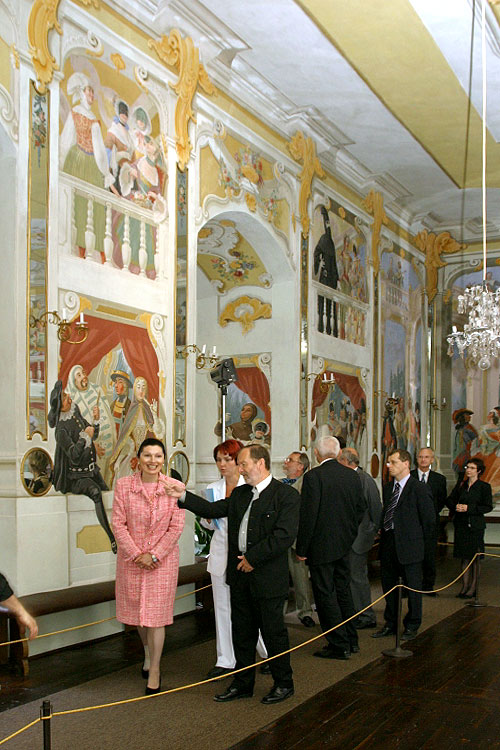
<point x="295" y="466"/>
<point x="370" y="524"/>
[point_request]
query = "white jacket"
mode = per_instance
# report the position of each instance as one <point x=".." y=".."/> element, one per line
<point x="217" y="560"/>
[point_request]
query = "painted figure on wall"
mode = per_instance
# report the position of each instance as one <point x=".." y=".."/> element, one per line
<point x="341" y="411"/>
<point x="242" y="429"/>
<point x="489" y="449"/>
<point x="140" y="423"/>
<point x="83" y="154"/>
<point x="340" y="263"/>
<point x="75" y="465"/>
<point x="389" y="435"/>
<point x="465" y="439"/>
<point x="119" y="144"/>
<point x="86" y="396"/>
<point x="121" y="403"/>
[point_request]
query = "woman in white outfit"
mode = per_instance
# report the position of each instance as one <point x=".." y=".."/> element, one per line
<point x="225" y="457"/>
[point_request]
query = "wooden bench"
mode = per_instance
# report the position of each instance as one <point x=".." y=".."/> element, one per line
<point x="76" y="597"/>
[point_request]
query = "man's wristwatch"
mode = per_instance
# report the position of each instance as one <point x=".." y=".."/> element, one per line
<point x="154" y="558"/>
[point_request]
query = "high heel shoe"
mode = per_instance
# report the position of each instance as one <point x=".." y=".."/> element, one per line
<point x="153" y="691"/>
<point x="145" y="673"/>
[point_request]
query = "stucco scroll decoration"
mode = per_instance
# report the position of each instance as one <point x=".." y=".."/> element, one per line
<point x="434" y="245"/>
<point x="374" y="204"/>
<point x="244" y="310"/>
<point x="42" y="19"/>
<point x="303" y="150"/>
<point x="8" y="113"/>
<point x="185" y="57"/>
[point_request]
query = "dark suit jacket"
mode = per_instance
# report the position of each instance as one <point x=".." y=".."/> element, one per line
<point x="370" y="522"/>
<point x="414" y="520"/>
<point x="331" y="510"/>
<point x="437" y="485"/>
<point x="272" y="528"/>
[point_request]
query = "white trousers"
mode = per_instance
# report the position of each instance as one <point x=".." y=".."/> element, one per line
<point x="224" y="640"/>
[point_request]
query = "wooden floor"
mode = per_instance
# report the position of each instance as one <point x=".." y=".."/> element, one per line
<point x="446" y="696"/>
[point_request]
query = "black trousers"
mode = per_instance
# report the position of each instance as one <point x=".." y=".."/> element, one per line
<point x="429" y="563"/>
<point x="331" y="584"/>
<point x="92" y="488"/>
<point x="390" y="570"/>
<point x="249" y="614"/>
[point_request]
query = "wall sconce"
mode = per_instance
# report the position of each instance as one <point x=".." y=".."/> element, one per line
<point x="434" y="404"/>
<point x="320" y="377"/>
<point x="63" y="325"/>
<point x="202" y="358"/>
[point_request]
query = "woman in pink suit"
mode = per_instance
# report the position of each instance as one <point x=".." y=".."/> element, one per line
<point x="147" y="524"/>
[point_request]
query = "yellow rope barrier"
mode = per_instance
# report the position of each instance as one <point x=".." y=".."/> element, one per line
<point x="242" y="669"/>
<point x="19" y="731"/>
<point x="96" y="622"/>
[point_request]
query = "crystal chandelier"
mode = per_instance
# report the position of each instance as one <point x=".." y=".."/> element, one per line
<point x="481" y="334"/>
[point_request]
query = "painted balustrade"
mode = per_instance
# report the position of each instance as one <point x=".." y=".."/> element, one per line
<point x="118" y="232"/>
<point x="339" y="315"/>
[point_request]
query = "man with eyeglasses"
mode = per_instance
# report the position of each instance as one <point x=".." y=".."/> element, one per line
<point x="295" y="466"/>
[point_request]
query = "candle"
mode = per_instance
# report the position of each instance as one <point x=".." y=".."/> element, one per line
<point x="213" y="351"/>
<point x="82" y="319"/>
<point x="65" y="314"/>
<point x="203" y="349"/>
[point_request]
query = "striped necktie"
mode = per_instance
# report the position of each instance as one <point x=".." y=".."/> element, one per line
<point x="389" y="513"/>
<point x="423" y="479"/>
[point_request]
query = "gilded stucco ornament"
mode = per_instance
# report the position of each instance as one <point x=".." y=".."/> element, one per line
<point x="245" y="310"/>
<point x="43" y="18"/>
<point x="374" y="204"/>
<point x="434" y="246"/>
<point x="185" y="57"/>
<point x="303" y="150"/>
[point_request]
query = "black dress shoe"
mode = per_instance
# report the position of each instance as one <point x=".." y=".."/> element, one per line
<point x="354" y="648"/>
<point x="307" y="621"/>
<point x="265" y="668"/>
<point x="460" y="596"/>
<point x="145" y="673"/>
<point x="386" y="630"/>
<point x="333" y="653"/>
<point x="363" y="625"/>
<point x="218" y="671"/>
<point x="409" y="634"/>
<point x="232" y="694"/>
<point x="277" y="694"/>
<point x="153" y="691"/>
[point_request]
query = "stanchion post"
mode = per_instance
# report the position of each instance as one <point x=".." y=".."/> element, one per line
<point x="45" y="714"/>
<point x="398" y="652"/>
<point x="476" y="603"/>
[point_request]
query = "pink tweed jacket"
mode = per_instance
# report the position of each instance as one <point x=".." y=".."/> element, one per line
<point x="141" y="524"/>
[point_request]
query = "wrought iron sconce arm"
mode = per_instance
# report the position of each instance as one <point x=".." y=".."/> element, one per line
<point x="63" y="325"/>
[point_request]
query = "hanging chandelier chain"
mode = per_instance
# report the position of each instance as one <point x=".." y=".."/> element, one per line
<point x="481" y="334"/>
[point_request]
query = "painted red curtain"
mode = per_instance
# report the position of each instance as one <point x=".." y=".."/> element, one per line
<point x="348" y="384"/>
<point x="105" y="336"/>
<point x="253" y="382"/>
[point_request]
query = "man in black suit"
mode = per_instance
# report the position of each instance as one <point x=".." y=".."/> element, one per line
<point x="262" y="519"/>
<point x="408" y="523"/>
<point x="332" y="507"/>
<point x="437" y="484"/>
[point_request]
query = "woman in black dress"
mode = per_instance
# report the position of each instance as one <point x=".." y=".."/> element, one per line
<point x="470" y="500"/>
